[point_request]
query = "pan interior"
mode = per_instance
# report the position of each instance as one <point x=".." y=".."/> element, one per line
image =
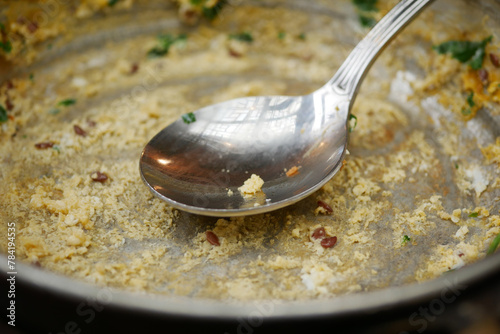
<point x="417" y="196"/>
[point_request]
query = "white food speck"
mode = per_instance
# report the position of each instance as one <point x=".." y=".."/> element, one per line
<point x="478" y="179"/>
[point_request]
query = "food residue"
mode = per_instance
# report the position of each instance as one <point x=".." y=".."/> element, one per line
<point x="251" y="186"/>
<point x="292" y="171"/>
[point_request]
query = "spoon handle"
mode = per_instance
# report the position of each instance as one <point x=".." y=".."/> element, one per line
<point x="351" y="73"/>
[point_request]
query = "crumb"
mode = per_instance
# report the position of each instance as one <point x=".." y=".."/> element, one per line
<point x="252" y="186"/>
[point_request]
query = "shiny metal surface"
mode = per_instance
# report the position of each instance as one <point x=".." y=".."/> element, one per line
<point x="198" y="166"/>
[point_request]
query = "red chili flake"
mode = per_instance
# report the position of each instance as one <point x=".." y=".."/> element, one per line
<point x="212" y="238"/>
<point x="44" y="145"/>
<point x="134" y="68"/>
<point x="329" y="242"/>
<point x="21" y="20"/>
<point x="8" y="104"/>
<point x="189" y="14"/>
<point x="235" y="54"/>
<point x="99" y="177"/>
<point x="10" y="117"/>
<point x="483" y="76"/>
<point x="10" y="85"/>
<point x="79" y="131"/>
<point x="460" y="254"/>
<point x="495" y="60"/>
<point x="325" y="206"/>
<point x="32" y="27"/>
<point x="319" y="233"/>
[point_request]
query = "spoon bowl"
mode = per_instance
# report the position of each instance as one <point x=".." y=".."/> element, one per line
<point x="294" y="144"/>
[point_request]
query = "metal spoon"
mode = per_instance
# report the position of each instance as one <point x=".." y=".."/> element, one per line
<point x="198" y="166"/>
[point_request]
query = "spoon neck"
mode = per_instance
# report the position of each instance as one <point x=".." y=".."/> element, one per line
<point x="352" y="72"/>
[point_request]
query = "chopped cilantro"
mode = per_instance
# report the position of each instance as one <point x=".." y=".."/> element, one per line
<point x="405" y="240"/>
<point x="466" y="112"/>
<point x="281" y="35"/>
<point x="242" y="36"/>
<point x="56" y="148"/>
<point x="67" y="102"/>
<point x="212" y="12"/>
<point x="367" y="21"/>
<point x="302" y="36"/>
<point x="165" y="42"/>
<point x="54" y="111"/>
<point x="189" y="118"/>
<point x="6" y="46"/>
<point x="157" y="52"/>
<point x="474" y="214"/>
<point x="3" y="115"/>
<point x="365" y="9"/>
<point x="465" y="51"/>
<point x="470" y="99"/>
<point x="494" y="245"/>
<point x="352" y="127"/>
<point x="456" y="165"/>
<point x="111" y="3"/>
<point x="32" y="77"/>
<point x="366" y="5"/>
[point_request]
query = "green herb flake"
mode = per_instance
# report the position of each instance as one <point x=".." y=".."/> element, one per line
<point x="494" y="245"/>
<point x="367" y="21"/>
<point x="465" y="51"/>
<point x="212" y="12"/>
<point x="474" y="214"/>
<point x="281" y="35"/>
<point x="242" y="36"/>
<point x="470" y="99"/>
<point x="366" y="9"/>
<point x="67" y="102"/>
<point x="302" y="36"/>
<point x="157" y="52"/>
<point x="366" y="5"/>
<point x="56" y="148"/>
<point x="6" y="46"/>
<point x="189" y="118"/>
<point x="111" y="3"/>
<point x="352" y="126"/>
<point x="456" y="165"/>
<point x="32" y="77"/>
<point x="3" y="115"/>
<point x="54" y="111"/>
<point x="165" y="42"/>
<point x="466" y="112"/>
<point x="405" y="240"/>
